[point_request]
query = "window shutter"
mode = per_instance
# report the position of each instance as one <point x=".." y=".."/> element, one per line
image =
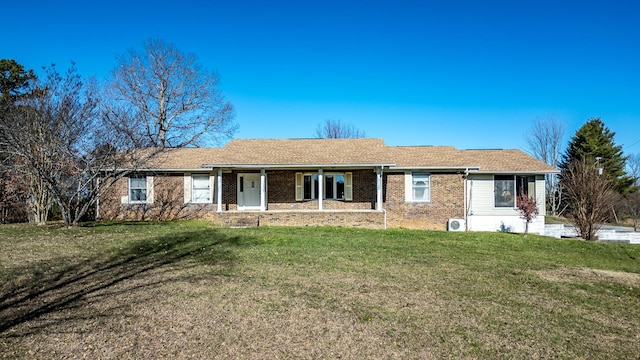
<point x="125" y="198"/>
<point x="348" y="186"/>
<point x="408" y="187"/>
<point x="187" y="188"/>
<point x="299" y="184"/>
<point x="150" y="189"/>
<point x="212" y="184"/>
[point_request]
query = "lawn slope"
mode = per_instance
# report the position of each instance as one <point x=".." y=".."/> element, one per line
<point x="189" y="289"/>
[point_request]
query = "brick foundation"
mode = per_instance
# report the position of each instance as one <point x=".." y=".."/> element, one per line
<point x="364" y="219"/>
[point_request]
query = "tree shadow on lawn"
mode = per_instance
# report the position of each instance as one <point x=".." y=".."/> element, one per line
<point x="68" y="282"/>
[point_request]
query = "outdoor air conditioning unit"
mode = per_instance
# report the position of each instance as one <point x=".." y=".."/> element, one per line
<point x="455" y="225"/>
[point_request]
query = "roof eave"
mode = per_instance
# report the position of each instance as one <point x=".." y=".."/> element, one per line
<point x="466" y="168"/>
<point x="295" y="166"/>
<point x="534" y="172"/>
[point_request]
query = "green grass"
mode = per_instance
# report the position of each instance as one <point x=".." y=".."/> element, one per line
<point x="189" y="289"/>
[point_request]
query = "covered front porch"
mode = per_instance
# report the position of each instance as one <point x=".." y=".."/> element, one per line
<point x="317" y="189"/>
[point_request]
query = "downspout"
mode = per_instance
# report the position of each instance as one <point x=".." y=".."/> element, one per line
<point x="379" y="194"/>
<point x="470" y="202"/>
<point x="384" y="211"/>
<point x="464" y="198"/>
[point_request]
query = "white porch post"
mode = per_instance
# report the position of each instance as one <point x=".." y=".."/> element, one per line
<point x="263" y="190"/>
<point x="379" y="188"/>
<point x="219" y="190"/>
<point x="320" y="188"/>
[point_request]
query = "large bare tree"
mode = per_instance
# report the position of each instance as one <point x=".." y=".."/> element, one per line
<point x="162" y="97"/>
<point x="336" y="129"/>
<point x="62" y="146"/>
<point x="544" y="140"/>
<point x="590" y="196"/>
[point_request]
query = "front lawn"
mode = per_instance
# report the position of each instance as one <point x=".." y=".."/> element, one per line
<point x="193" y="290"/>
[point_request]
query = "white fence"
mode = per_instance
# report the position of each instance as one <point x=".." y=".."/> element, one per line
<point x="562" y="230"/>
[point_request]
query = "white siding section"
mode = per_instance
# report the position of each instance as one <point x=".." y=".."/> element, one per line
<point x="541" y="195"/>
<point x="505" y="223"/>
<point x="482" y="198"/>
<point x="484" y="216"/>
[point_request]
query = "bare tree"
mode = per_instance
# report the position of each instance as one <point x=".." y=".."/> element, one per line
<point x="590" y="197"/>
<point x="336" y="129"/>
<point x="544" y="140"/>
<point x="62" y="146"/>
<point x="161" y="97"/>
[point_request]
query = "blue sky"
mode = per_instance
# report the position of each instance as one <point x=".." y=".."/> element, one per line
<point x="472" y="74"/>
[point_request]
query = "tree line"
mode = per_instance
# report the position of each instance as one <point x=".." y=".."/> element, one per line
<point x="60" y="134"/>
<point x="597" y="183"/>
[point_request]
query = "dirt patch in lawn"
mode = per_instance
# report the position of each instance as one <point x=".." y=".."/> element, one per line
<point x="590" y="276"/>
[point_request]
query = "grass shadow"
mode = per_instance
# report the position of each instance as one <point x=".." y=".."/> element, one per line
<point x="55" y="285"/>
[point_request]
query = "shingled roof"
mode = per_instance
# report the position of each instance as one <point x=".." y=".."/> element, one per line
<point x="348" y="152"/>
<point x="494" y="160"/>
<point x="293" y="152"/>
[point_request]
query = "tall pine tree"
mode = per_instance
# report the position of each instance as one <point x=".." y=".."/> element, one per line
<point x="594" y="142"/>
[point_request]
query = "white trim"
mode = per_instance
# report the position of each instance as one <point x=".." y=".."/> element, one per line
<point x="407" y="186"/>
<point x="240" y="199"/>
<point x="187" y="187"/>
<point x="263" y="190"/>
<point x="219" y="190"/>
<point x="379" y="189"/>
<point x="298" y="166"/>
<point x="320" y="194"/>
<point x="150" y="191"/>
<point x="192" y="188"/>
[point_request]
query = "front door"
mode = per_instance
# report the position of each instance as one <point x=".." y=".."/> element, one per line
<point x="249" y="191"/>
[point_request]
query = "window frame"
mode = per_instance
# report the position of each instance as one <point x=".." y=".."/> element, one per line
<point x="519" y="184"/>
<point x="145" y="188"/>
<point x="309" y="185"/>
<point x="194" y="189"/>
<point x="411" y="187"/>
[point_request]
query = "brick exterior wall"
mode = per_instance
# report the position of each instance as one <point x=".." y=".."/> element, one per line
<point x="446" y="202"/>
<point x="168" y="202"/>
<point x="365" y="219"/>
<point x="281" y="193"/>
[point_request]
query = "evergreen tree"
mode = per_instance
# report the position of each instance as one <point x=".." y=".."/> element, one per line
<point x="594" y="142"/>
<point x="14" y="80"/>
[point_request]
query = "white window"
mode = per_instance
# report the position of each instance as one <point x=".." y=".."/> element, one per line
<point x="506" y="189"/>
<point x="420" y="187"/>
<point x="138" y="189"/>
<point x="200" y="188"/>
<point x="337" y="186"/>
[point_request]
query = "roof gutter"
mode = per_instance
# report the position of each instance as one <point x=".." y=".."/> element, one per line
<point x="510" y="172"/>
<point x="461" y="168"/>
<point x="294" y="166"/>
